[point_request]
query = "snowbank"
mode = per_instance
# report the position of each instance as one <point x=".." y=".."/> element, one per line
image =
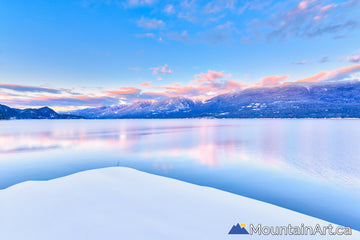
<point x="122" y="203"/>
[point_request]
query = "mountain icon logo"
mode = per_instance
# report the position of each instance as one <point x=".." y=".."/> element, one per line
<point x="239" y="229"/>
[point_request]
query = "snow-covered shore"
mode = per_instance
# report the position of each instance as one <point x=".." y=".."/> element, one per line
<point x="122" y="203"/>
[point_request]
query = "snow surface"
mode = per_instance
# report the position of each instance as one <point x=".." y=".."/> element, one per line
<point x="122" y="203"/>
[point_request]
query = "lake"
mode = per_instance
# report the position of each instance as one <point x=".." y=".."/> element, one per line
<point x="310" y="166"/>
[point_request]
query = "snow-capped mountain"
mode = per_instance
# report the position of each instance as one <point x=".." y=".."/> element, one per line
<point x="171" y="107"/>
<point x="101" y="112"/>
<point x="292" y="100"/>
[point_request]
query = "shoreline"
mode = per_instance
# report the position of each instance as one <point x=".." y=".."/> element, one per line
<point x="195" y="118"/>
<point x="118" y="202"/>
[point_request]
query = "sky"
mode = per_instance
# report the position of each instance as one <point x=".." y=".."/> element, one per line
<point x="89" y="53"/>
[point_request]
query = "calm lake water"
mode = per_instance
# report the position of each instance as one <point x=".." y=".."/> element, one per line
<point x="310" y="166"/>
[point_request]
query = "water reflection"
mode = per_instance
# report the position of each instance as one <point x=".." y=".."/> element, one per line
<point x="297" y="164"/>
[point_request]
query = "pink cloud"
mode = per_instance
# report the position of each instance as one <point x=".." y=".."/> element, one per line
<point x="327" y="7"/>
<point x="205" y="86"/>
<point x="318" y="77"/>
<point x="173" y="86"/>
<point x="339" y="74"/>
<point x="231" y="85"/>
<point x="209" y="76"/>
<point x="343" y="72"/>
<point x="301" y="62"/>
<point x="203" y="90"/>
<point x="145" y="84"/>
<point x="165" y="69"/>
<point x="123" y="91"/>
<point x="271" y="80"/>
<point x="303" y="5"/>
<point x="355" y="58"/>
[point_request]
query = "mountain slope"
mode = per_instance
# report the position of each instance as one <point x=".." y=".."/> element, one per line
<point x="30" y="113"/>
<point x="296" y="100"/>
<point x="171" y="107"/>
<point x="292" y="100"/>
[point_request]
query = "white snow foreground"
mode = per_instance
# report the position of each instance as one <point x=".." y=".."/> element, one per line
<point x="122" y="203"/>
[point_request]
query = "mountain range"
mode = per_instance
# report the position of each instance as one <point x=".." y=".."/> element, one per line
<point x="31" y="113"/>
<point x="292" y="100"/>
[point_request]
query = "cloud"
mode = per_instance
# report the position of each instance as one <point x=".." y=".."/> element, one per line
<point x="164" y="70"/>
<point x="317" y="77"/>
<point x="4" y="96"/>
<point x="271" y="80"/>
<point x="304" y="4"/>
<point x="226" y="25"/>
<point x="332" y="28"/>
<point x="301" y="62"/>
<point x="335" y="75"/>
<point x="234" y="85"/>
<point x="169" y="9"/>
<point x="343" y="73"/>
<point x="145" y="35"/>
<point x="324" y="59"/>
<point x="209" y="76"/>
<point x="23" y="88"/>
<point x="152" y="96"/>
<point x="139" y="3"/>
<point x="133" y="94"/>
<point x="207" y="12"/>
<point x="123" y="92"/>
<point x="181" y="37"/>
<point x="220" y="33"/>
<point x="150" y="23"/>
<point x="67" y="101"/>
<point x="216" y="36"/>
<point x="203" y="86"/>
<point x="145" y="84"/>
<point x="182" y="90"/>
<point x="308" y="19"/>
<point x="206" y="89"/>
<point x="354" y="58"/>
<point x="212" y="7"/>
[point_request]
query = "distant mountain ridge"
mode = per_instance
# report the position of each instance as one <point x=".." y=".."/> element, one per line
<point x="31" y="113"/>
<point x="292" y="100"/>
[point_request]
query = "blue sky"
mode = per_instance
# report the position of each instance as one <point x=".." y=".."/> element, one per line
<point x="86" y="53"/>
